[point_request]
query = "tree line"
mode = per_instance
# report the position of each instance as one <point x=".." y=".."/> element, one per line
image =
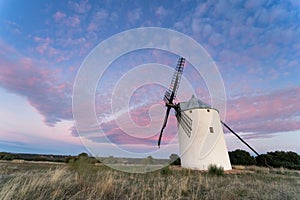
<point x="43" y="157"/>
<point x="289" y="159"/>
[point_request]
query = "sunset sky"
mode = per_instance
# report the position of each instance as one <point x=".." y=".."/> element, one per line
<point x="255" y="45"/>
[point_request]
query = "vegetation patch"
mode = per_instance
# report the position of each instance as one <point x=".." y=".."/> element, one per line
<point x="215" y="170"/>
<point x="166" y="171"/>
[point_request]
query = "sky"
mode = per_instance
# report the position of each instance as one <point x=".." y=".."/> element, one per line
<point x="255" y="45"/>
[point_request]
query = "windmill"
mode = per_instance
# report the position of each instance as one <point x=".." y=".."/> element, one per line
<point x="201" y="137"/>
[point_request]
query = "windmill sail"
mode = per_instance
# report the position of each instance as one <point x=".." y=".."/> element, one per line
<point x="171" y="93"/>
<point x="164" y="124"/>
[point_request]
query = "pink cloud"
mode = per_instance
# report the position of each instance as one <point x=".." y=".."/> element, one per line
<point x="134" y="15"/>
<point x="116" y="135"/>
<point x="59" y="15"/>
<point x="141" y="117"/>
<point x="73" y="21"/>
<point x="44" y="44"/>
<point x="160" y="11"/>
<point x="98" y="19"/>
<point x="80" y="7"/>
<point x="45" y="47"/>
<point x="31" y="79"/>
<point x="274" y="112"/>
<point x="119" y="137"/>
<point x="13" y="27"/>
<point x="64" y="20"/>
<point x="92" y="26"/>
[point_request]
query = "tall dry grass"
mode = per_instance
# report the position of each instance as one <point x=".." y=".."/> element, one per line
<point x="64" y="182"/>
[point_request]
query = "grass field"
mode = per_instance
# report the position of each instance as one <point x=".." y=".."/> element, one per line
<point x="27" y="180"/>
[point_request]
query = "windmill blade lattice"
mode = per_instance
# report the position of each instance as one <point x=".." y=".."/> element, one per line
<point x="171" y="93"/>
<point x="184" y="120"/>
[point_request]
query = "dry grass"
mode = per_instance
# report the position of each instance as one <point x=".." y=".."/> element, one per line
<point x="38" y="181"/>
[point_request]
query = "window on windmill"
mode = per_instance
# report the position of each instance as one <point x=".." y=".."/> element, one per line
<point x="208" y="110"/>
<point x="211" y="129"/>
<point x="191" y="111"/>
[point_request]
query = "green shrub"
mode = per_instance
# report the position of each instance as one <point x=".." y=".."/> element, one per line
<point x="8" y="156"/>
<point x="175" y="159"/>
<point x="215" y="170"/>
<point x="241" y="157"/>
<point x="277" y="159"/>
<point x="84" y="167"/>
<point x="166" y="171"/>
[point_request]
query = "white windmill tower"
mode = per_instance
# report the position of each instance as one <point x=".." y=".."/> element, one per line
<point x="204" y="144"/>
<point x="201" y="137"/>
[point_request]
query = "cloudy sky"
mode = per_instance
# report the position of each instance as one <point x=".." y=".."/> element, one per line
<point x="255" y="45"/>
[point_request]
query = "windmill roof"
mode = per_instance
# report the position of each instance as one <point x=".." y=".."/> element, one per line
<point x="194" y="103"/>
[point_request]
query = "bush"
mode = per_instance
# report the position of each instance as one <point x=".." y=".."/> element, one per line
<point x="84" y="167"/>
<point x="215" y="170"/>
<point x="166" y="171"/>
<point x="175" y="159"/>
<point x="241" y="157"/>
<point x="148" y="161"/>
<point x="8" y="156"/>
<point x="277" y="159"/>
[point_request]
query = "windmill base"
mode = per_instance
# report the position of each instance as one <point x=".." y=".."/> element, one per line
<point x="205" y="145"/>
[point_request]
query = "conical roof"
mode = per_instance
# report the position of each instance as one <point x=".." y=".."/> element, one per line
<point x="194" y="103"/>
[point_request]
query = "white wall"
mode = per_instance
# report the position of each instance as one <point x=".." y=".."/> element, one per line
<point x="203" y="148"/>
